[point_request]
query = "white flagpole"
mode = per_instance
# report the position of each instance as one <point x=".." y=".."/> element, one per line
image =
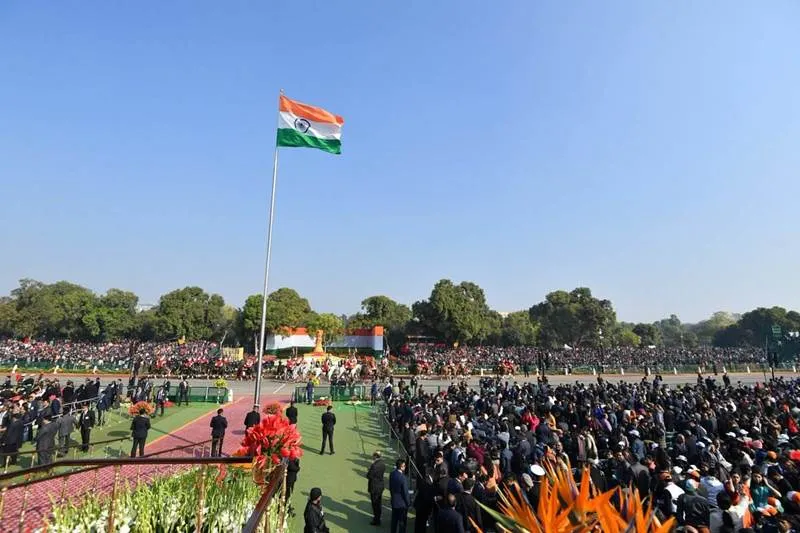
<point x="262" y="337"/>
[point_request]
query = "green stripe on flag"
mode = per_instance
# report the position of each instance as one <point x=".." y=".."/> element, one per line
<point x="288" y="137"/>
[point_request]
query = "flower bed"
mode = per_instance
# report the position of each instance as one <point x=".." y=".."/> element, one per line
<point x="134" y="409"/>
<point x="167" y="505"/>
<point x="322" y="402"/>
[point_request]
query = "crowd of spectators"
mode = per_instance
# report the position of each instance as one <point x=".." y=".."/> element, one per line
<point x="434" y="358"/>
<point x="46" y="411"/>
<point x="719" y="457"/>
<point x="194" y="358"/>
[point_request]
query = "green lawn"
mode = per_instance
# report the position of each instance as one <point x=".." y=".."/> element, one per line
<point x="118" y="425"/>
<point x="342" y="477"/>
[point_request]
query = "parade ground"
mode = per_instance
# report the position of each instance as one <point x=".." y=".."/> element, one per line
<point x="342" y="477"/>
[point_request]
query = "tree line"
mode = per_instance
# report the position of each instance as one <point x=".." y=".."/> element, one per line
<point x="454" y="313"/>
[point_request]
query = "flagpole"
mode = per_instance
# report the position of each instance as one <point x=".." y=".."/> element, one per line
<point x="262" y="337"/>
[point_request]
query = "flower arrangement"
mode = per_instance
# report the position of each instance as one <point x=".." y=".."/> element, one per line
<point x="221" y="383"/>
<point x="271" y="440"/>
<point x="168" y="504"/>
<point x="273" y="408"/>
<point x="134" y="409"/>
<point x="567" y="506"/>
<point x="322" y="402"/>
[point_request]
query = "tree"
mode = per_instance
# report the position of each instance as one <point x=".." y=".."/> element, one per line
<point x="331" y="325"/>
<point x="285" y="309"/>
<point x="649" y="334"/>
<point x="755" y="327"/>
<point x="114" y="317"/>
<point x="574" y="318"/>
<point x="9" y="317"/>
<point x="456" y="312"/>
<point x="675" y="334"/>
<point x="189" y="312"/>
<point x="706" y="329"/>
<point x="383" y="311"/>
<point x="628" y="337"/>
<point x="519" y="330"/>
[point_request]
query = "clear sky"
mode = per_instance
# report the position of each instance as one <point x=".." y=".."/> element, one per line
<point x="648" y="150"/>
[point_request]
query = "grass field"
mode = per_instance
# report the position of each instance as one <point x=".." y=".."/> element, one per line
<point x="118" y="425"/>
<point x="342" y="477"/>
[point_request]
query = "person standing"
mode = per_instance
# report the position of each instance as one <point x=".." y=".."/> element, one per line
<point x="252" y="418"/>
<point x="309" y="391"/>
<point x="313" y="515"/>
<point x="375" y="486"/>
<point x="13" y="437"/>
<point x="183" y="391"/>
<point x="140" y="425"/>
<point x="328" y="422"/>
<point x="218" y="426"/>
<point x="373" y="393"/>
<point x="161" y="399"/>
<point x="398" y="491"/>
<point x="292" y="468"/>
<point x="291" y="413"/>
<point x="448" y="520"/>
<point x="46" y="441"/>
<point x="85" y="423"/>
<point x="66" y="425"/>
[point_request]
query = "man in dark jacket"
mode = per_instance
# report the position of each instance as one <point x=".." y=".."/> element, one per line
<point x="183" y="391"/>
<point x="13" y="437"/>
<point x="252" y="418"/>
<point x="447" y="519"/>
<point x="375" y="486"/>
<point x="85" y="423"/>
<point x="313" y="515"/>
<point x="291" y="412"/>
<point x="398" y="491"/>
<point x="66" y="425"/>
<point x="218" y="426"/>
<point x="140" y="425"/>
<point x="328" y="422"/>
<point x="46" y="441"/>
<point x="292" y="468"/>
<point x="467" y="507"/>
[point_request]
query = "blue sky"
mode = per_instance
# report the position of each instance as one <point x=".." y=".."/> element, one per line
<point x="647" y="150"/>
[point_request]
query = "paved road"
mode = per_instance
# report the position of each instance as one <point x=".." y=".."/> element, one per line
<point x="271" y="386"/>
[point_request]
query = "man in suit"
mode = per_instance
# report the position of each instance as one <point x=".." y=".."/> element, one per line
<point x="85" y="423"/>
<point x="183" y="391"/>
<point x="328" y="422"/>
<point x="398" y="491"/>
<point x="291" y="413"/>
<point x="161" y="399"/>
<point x="140" y="425"/>
<point x="292" y="468"/>
<point x="66" y="425"/>
<point x="252" y="418"/>
<point x="448" y="520"/>
<point x="46" y="440"/>
<point x="467" y="507"/>
<point x="375" y="486"/>
<point x="13" y="437"/>
<point x="218" y="426"/>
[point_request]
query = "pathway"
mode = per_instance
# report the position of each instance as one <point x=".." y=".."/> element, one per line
<point x="100" y="482"/>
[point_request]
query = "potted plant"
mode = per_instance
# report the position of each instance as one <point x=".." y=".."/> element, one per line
<point x="222" y="389"/>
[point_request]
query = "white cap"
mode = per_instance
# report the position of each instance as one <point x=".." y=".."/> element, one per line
<point x="537" y="470"/>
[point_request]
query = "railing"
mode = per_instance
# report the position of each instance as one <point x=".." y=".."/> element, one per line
<point x="260" y="518"/>
<point x="6" y="457"/>
<point x="268" y="515"/>
<point x="334" y="392"/>
<point x="402" y="452"/>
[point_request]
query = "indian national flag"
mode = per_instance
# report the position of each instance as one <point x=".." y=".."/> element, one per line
<point x="308" y="126"/>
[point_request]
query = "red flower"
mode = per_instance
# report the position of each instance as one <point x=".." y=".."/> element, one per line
<point x="270" y="440"/>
